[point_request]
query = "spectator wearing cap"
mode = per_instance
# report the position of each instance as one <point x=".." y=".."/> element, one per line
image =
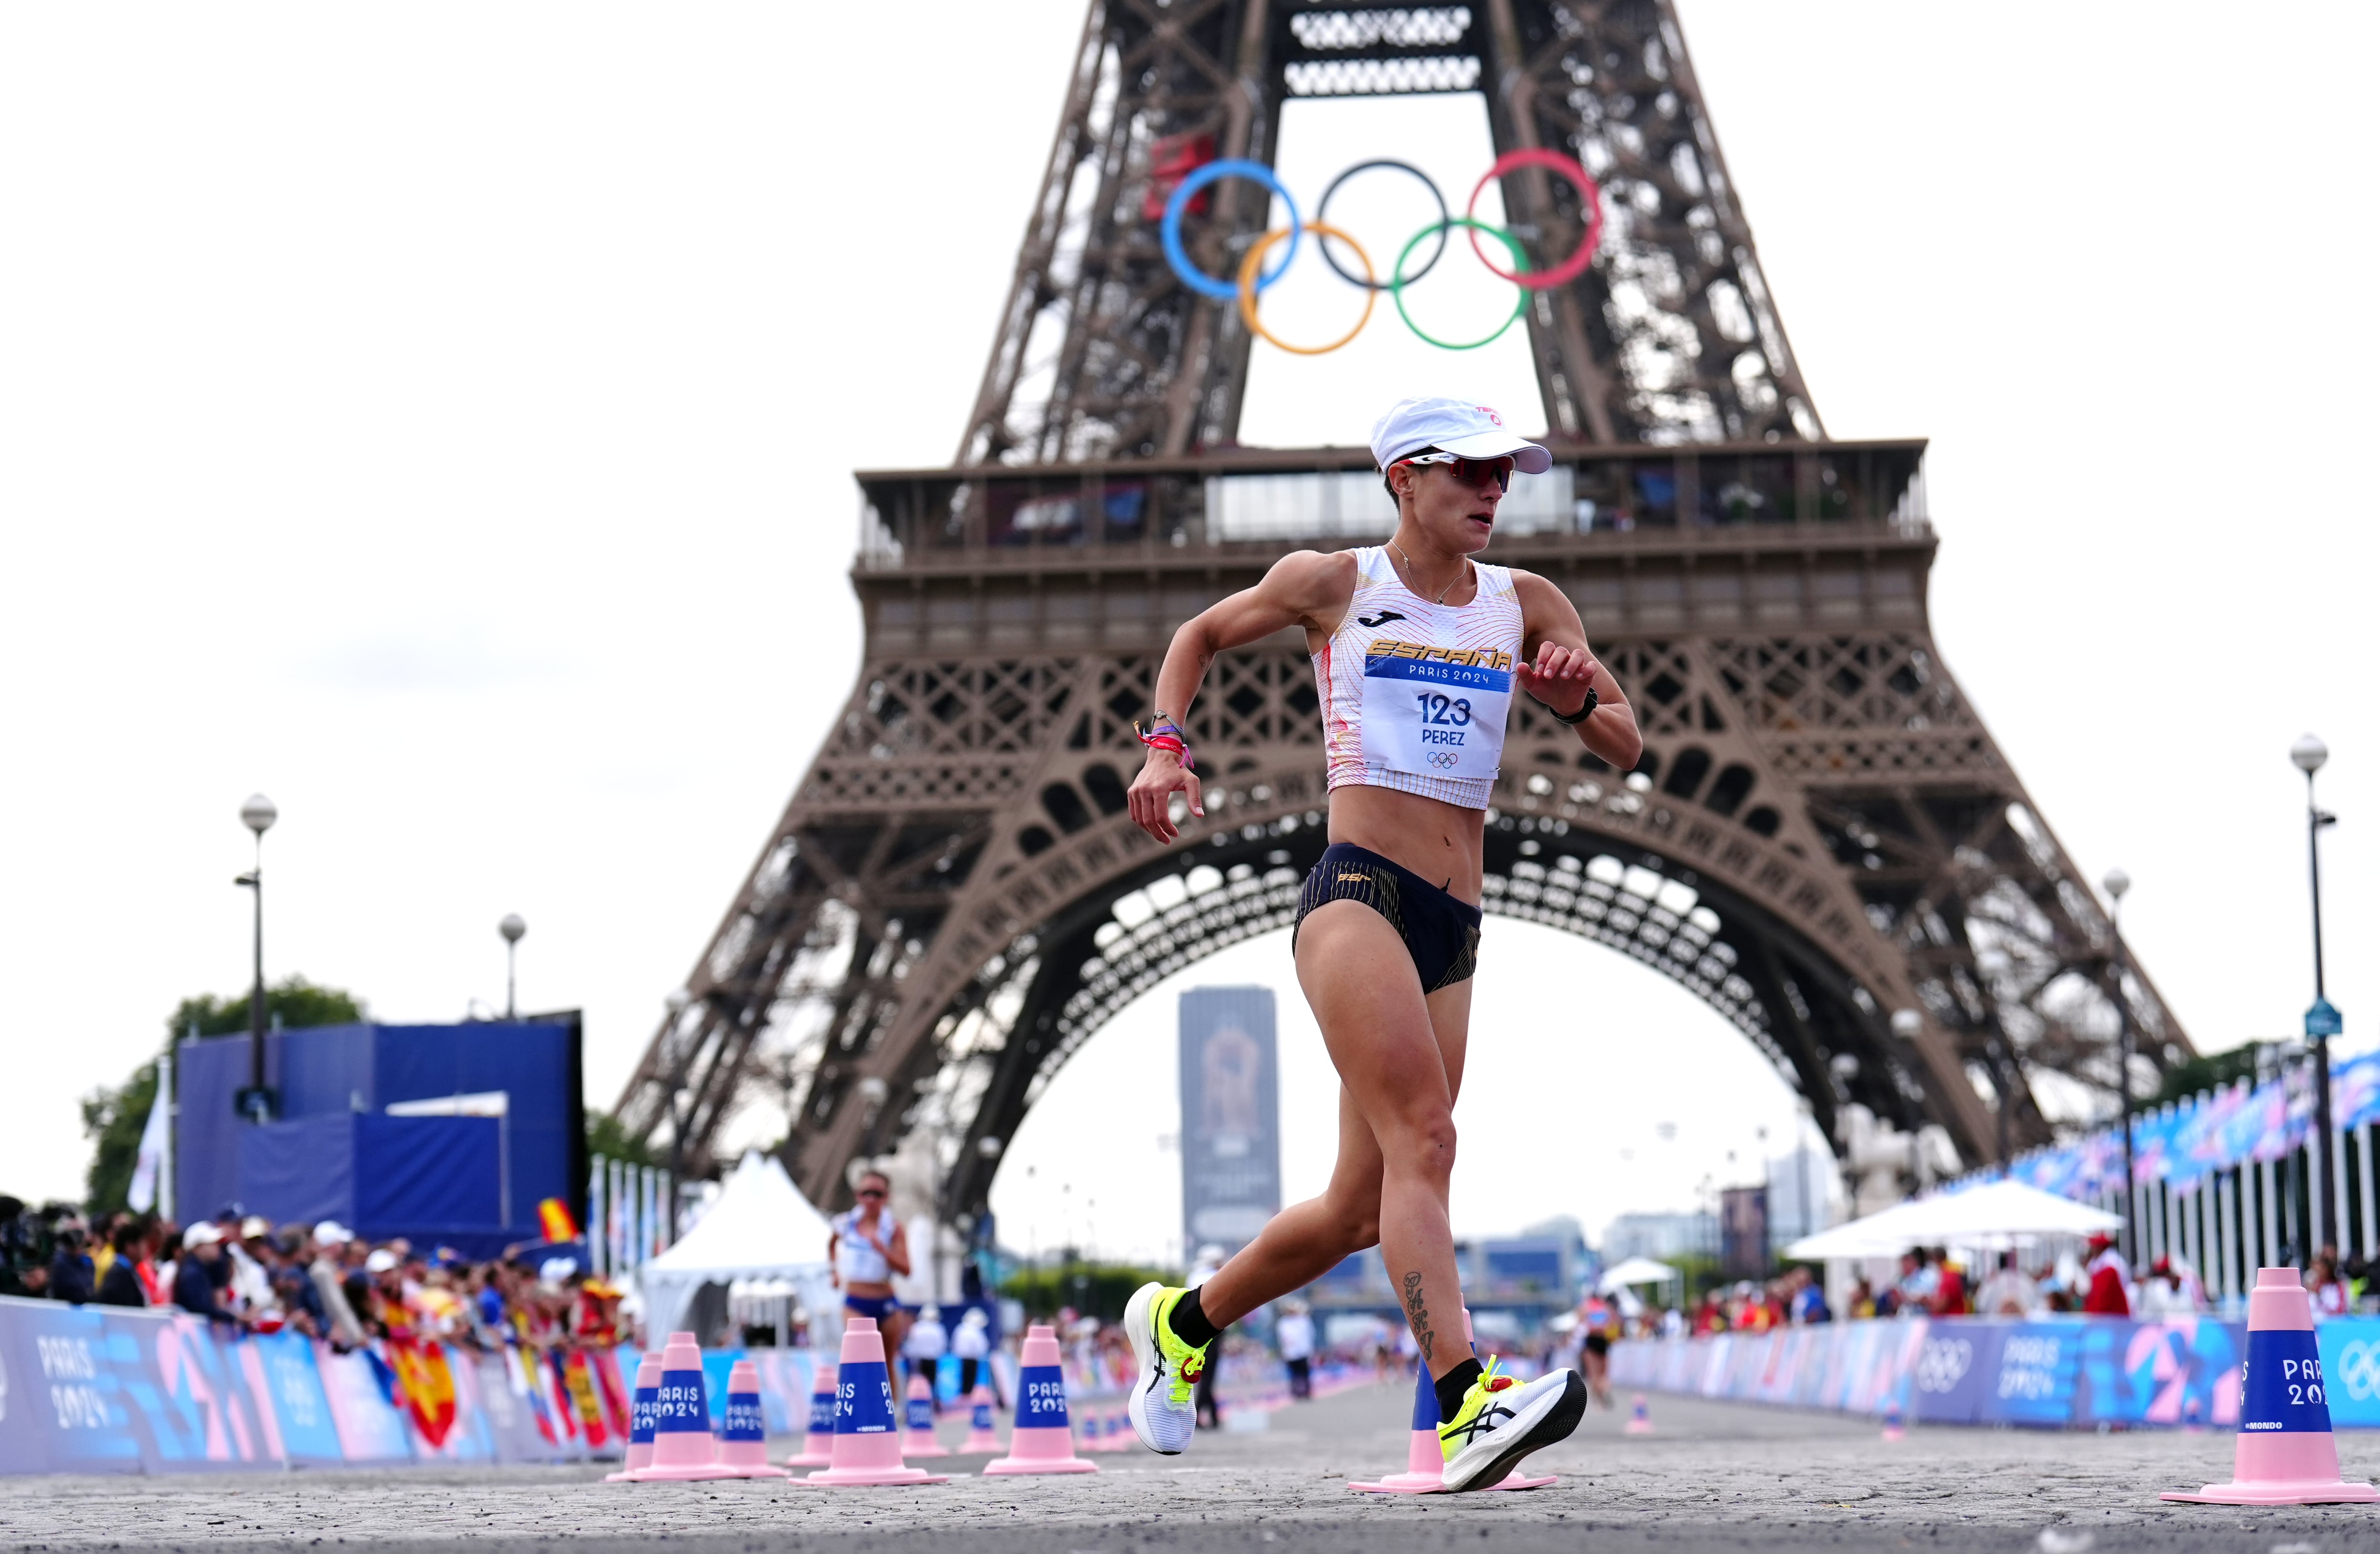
<point x="972" y="1344"/>
<point x="338" y="1318"/>
<point x="196" y="1288"/>
<point x="2107" y="1295"/>
<point x="927" y="1342"/>
<point x="71" y="1279"/>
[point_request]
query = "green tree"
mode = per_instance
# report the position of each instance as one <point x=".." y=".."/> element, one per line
<point x="1101" y="1289"/>
<point x="607" y="1137"/>
<point x="2205" y="1073"/>
<point x="113" y="1117"/>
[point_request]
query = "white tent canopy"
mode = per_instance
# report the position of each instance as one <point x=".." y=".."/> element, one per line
<point x="760" y="1228"/>
<point x="1635" y="1270"/>
<point x="1998" y="1212"/>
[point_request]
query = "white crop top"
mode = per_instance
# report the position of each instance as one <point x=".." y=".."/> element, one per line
<point x="858" y="1261"/>
<point x="1415" y="695"/>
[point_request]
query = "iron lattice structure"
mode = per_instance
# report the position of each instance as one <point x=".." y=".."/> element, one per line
<point x="1822" y="835"/>
<point x="1669" y="337"/>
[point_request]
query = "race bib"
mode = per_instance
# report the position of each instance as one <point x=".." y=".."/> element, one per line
<point x="1435" y="712"/>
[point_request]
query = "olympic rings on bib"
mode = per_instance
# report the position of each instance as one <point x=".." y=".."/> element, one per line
<point x="1253" y="278"/>
<point x="1589" y="195"/>
<point x="1170" y="232"/>
<point x="1249" y="286"/>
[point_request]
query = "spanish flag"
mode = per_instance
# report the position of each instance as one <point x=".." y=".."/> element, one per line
<point x="553" y="1219"/>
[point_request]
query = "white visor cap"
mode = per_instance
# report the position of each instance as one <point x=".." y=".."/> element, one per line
<point x="1456" y="426"/>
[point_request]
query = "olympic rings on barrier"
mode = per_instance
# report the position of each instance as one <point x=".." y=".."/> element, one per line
<point x="1252" y="279"/>
<point x="1397" y="279"/>
<point x="1589" y="196"/>
<point x="1322" y="214"/>
<point x="1170" y="232"/>
<point x="1249" y="286"/>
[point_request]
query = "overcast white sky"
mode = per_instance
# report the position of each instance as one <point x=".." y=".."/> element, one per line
<point x="440" y="419"/>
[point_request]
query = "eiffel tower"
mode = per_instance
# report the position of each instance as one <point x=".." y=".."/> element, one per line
<point x="1822" y="841"/>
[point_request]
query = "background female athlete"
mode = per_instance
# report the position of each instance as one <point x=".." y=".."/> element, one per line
<point x="1382" y="963"/>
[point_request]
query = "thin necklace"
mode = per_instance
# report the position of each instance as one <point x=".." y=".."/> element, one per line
<point x="1415" y="571"/>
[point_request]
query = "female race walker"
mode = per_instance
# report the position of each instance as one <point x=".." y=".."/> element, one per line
<point x="1417" y="651"/>
<point x="866" y="1247"/>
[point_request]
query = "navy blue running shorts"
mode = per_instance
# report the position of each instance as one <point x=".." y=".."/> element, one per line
<point x="1440" y="933"/>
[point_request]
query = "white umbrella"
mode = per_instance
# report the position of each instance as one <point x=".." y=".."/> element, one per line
<point x="1996" y="1211"/>
<point x="1635" y="1270"/>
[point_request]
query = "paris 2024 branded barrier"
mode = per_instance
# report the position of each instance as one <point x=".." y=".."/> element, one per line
<point x="103" y="1389"/>
<point x="96" y="1389"/>
<point x="2082" y="1372"/>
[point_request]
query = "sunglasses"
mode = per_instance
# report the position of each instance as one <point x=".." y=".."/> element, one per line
<point x="870" y="1192"/>
<point x="1474" y="472"/>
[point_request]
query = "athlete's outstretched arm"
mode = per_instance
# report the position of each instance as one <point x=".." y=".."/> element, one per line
<point x="1307" y="587"/>
<point x="1559" y="669"/>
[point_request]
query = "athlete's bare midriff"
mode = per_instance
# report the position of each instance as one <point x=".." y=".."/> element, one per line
<point x="1438" y="841"/>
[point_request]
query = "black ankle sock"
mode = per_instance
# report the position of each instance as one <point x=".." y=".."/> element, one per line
<point x="1452" y="1385"/>
<point x="1189" y="1322"/>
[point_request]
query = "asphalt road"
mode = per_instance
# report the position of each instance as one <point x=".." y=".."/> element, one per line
<point x="1711" y="1477"/>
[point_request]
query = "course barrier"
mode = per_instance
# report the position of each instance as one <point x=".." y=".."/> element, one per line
<point x="2077" y="1372"/>
<point x="96" y="1389"/>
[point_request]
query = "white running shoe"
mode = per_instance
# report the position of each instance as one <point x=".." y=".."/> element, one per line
<point x="1503" y="1421"/>
<point x="1164" y="1415"/>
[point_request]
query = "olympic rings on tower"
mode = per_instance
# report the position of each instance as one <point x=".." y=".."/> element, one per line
<point x="1591" y="197"/>
<point x="1249" y="286"/>
<point x="1253" y="278"/>
<point x="1170" y="232"/>
<point x="1322" y="214"/>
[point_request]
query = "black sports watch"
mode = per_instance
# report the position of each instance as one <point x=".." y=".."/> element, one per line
<point x="1578" y="717"/>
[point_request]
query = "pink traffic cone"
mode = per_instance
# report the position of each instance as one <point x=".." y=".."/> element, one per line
<point x="1892" y="1430"/>
<point x="1042" y="1441"/>
<point x="921" y="1441"/>
<point x="1640" y="1419"/>
<point x="1424" y="1459"/>
<point x="641" y="1417"/>
<point x="980" y="1435"/>
<point x="683" y="1447"/>
<point x="2285" y="1453"/>
<point x="744" y="1441"/>
<point x="1516" y="1480"/>
<point x="818" y="1448"/>
<point x="866" y="1437"/>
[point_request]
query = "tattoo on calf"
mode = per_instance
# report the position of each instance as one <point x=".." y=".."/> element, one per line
<point x="1417" y="1316"/>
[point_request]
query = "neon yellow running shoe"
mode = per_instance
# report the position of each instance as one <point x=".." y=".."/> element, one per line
<point x="1163" y="1414"/>
<point x="1502" y="1421"/>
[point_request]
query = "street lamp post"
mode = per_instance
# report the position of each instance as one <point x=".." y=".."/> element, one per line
<point x="2322" y="1021"/>
<point x="256" y="1103"/>
<point x="2116" y="884"/>
<point x="512" y="927"/>
<point x="677" y="1000"/>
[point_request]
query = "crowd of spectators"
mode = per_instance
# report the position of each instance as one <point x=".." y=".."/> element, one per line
<point x="245" y="1274"/>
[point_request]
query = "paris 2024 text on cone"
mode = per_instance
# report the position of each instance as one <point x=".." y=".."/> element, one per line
<point x="818" y="1450"/>
<point x="1042" y="1441"/>
<point x="866" y="1432"/>
<point x="744" y="1441"/>
<point x="980" y="1435"/>
<point x="921" y="1441"/>
<point x="2285" y="1453"/>
<point x="640" y="1416"/>
<point x="683" y="1447"/>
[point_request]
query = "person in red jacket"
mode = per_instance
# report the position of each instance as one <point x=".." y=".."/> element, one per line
<point x="2106" y="1266"/>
